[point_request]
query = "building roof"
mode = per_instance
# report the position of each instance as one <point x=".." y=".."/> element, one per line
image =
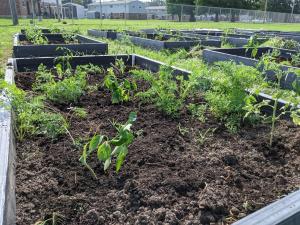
<point x="69" y="3"/>
<point x="115" y="2"/>
<point x="157" y="7"/>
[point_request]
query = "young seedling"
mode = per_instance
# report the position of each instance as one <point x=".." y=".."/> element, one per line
<point x="204" y="136"/>
<point x="107" y="149"/>
<point x="120" y="89"/>
<point x="55" y="219"/>
<point x="253" y="43"/>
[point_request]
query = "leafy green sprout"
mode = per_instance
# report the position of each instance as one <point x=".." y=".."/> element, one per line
<point x="107" y="149"/>
<point x="120" y="89"/>
<point x="55" y="219"/>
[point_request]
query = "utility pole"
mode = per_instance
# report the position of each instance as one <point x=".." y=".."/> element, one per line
<point x="100" y="11"/>
<point x="57" y="10"/>
<point x="13" y="11"/>
<point x="266" y="7"/>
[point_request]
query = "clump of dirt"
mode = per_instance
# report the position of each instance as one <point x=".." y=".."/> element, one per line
<point x="167" y="178"/>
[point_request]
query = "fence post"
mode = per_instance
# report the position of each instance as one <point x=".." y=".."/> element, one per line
<point x="181" y="13"/>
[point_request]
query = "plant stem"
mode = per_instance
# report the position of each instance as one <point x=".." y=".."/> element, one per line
<point x="273" y="121"/>
<point x="74" y="143"/>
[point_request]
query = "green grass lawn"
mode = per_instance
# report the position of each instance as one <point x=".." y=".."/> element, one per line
<point x="7" y="31"/>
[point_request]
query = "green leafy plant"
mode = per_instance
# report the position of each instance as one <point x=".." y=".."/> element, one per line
<point x="55" y="219"/>
<point x="279" y="42"/>
<point x="35" y="35"/>
<point x="78" y="112"/>
<point x="120" y="89"/>
<point x="253" y="44"/>
<point x="166" y="91"/>
<point x="197" y="111"/>
<point x="32" y="117"/>
<point x="107" y="149"/>
<point x="43" y="76"/>
<point x="291" y="107"/>
<point x="69" y="38"/>
<point x="226" y="96"/>
<point x="204" y="136"/>
<point x="63" y="66"/>
<point x="68" y="90"/>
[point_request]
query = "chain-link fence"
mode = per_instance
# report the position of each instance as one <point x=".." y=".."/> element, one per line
<point x="133" y="10"/>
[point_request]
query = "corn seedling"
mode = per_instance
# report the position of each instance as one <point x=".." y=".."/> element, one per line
<point x="107" y="149"/>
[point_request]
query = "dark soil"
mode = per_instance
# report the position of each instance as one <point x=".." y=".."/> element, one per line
<point x="167" y="178"/>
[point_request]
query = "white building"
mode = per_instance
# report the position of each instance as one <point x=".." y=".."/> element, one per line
<point x="72" y="10"/>
<point x="156" y="12"/>
<point x="133" y="9"/>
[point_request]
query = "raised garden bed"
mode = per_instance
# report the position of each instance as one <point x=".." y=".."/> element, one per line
<point x="55" y="45"/>
<point x="167" y="176"/>
<point x="164" y="41"/>
<point x="110" y="34"/>
<point x="243" y="56"/>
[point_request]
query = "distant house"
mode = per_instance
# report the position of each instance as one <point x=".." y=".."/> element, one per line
<point x="45" y="8"/>
<point x="133" y="9"/>
<point x="156" y="12"/>
<point x="72" y="10"/>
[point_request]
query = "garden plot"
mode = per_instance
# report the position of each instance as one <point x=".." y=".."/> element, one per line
<point x="161" y="132"/>
<point x="55" y="44"/>
<point x="165" y="41"/>
<point x="287" y="59"/>
<point x="110" y="34"/>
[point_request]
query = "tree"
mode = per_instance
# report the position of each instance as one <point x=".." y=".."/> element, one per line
<point x="284" y="6"/>
<point x="239" y="4"/>
<point x="174" y="7"/>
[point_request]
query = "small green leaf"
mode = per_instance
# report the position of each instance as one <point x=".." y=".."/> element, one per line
<point x="107" y="163"/>
<point x="104" y="151"/>
<point x="132" y="117"/>
<point x="296" y="118"/>
<point x="83" y="157"/>
<point x="96" y="140"/>
<point x="121" y="157"/>
<point x="116" y="150"/>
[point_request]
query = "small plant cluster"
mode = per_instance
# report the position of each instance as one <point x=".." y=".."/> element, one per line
<point x="107" y="148"/>
<point x="291" y="108"/>
<point x="32" y="116"/>
<point x="279" y="42"/>
<point x="64" y="89"/>
<point x="166" y="91"/>
<point x="121" y="88"/>
<point x="226" y="95"/>
<point x="35" y="35"/>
